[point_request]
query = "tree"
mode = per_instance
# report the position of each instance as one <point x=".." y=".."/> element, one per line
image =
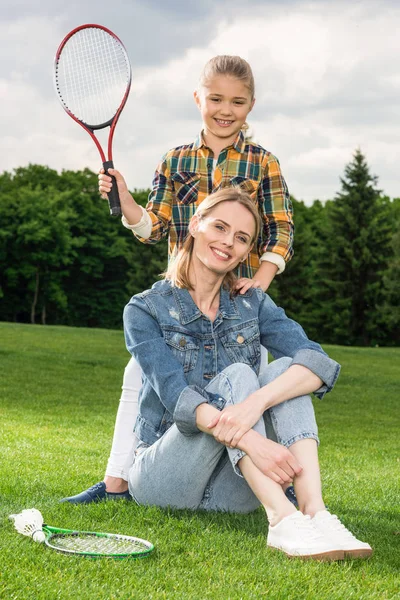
<point x="353" y="258"/>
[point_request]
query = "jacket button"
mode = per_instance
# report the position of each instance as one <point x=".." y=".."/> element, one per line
<point x="182" y="342"/>
<point x="240" y="339"/>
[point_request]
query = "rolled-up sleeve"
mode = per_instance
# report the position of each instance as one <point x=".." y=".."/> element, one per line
<point x="159" y="205"/>
<point x="284" y="337"/>
<point x="144" y="340"/>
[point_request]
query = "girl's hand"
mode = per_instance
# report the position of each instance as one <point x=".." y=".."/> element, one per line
<point x="234" y="421"/>
<point x="243" y="284"/>
<point x="105" y="184"/>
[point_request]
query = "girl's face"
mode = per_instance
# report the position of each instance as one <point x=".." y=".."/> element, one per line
<point x="223" y="238"/>
<point x="224" y="104"/>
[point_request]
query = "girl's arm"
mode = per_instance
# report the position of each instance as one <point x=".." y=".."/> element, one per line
<point x="130" y="209"/>
<point x="152" y="224"/>
<point x="275" y="208"/>
<point x="277" y="219"/>
<point x="163" y="372"/>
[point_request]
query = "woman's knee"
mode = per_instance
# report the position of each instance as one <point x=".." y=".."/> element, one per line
<point x="237" y="382"/>
<point x="272" y="370"/>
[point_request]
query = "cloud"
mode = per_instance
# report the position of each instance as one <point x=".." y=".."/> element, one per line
<point x="326" y="83"/>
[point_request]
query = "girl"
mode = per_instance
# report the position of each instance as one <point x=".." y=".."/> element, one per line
<point x="206" y="404"/>
<point x="219" y="157"/>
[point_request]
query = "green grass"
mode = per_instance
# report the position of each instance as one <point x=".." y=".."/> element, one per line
<point x="59" y="390"/>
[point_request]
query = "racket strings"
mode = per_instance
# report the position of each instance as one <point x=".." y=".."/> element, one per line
<point x="93" y="544"/>
<point x="92" y="75"/>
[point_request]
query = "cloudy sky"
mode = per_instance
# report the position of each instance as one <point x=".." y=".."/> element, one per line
<point x="327" y="81"/>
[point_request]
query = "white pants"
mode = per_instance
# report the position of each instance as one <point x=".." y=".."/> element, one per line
<point x="125" y="440"/>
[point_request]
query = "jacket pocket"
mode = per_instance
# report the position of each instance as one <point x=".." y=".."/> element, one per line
<point x="242" y="344"/>
<point x="184" y="347"/>
<point x="186" y="186"/>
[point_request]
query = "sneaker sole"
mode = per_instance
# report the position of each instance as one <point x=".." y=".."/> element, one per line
<point x="323" y="556"/>
<point x="358" y="553"/>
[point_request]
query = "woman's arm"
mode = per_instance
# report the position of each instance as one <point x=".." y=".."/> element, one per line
<point x="274" y="460"/>
<point x="234" y="421"/>
<point x="164" y="372"/>
<point x="311" y="371"/>
<point x="284" y="337"/>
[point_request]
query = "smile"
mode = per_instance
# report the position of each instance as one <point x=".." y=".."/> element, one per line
<point x="223" y="123"/>
<point x="221" y="254"/>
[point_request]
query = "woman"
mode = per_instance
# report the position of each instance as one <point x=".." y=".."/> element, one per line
<point x="207" y="411"/>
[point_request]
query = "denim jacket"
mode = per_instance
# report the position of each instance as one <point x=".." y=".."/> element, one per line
<point x="180" y="350"/>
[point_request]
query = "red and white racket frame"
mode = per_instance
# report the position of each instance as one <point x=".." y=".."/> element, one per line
<point x="113" y="197"/>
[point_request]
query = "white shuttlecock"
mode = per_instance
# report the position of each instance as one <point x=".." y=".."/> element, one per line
<point x="29" y="522"/>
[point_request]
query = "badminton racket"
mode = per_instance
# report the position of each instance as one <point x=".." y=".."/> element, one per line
<point x="84" y="543"/>
<point x="92" y="76"/>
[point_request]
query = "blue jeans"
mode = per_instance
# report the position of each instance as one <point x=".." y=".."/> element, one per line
<point x="197" y="472"/>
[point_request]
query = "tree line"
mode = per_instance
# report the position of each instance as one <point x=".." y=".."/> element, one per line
<point x="65" y="261"/>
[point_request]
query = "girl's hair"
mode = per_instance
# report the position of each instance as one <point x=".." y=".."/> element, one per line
<point x="178" y="269"/>
<point x="233" y="66"/>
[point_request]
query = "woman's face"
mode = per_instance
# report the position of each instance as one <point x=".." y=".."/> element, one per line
<point x="223" y="238"/>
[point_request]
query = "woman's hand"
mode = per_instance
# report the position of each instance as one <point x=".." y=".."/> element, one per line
<point x="244" y="284"/>
<point x="234" y="421"/>
<point x="271" y="458"/>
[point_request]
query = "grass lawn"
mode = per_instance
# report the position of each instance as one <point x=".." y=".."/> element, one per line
<point x="59" y="390"/>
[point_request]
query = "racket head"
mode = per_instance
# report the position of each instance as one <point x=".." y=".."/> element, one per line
<point x="92" y="75"/>
<point x="96" y="544"/>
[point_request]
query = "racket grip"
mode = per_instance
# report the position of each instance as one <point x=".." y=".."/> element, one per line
<point x="113" y="196"/>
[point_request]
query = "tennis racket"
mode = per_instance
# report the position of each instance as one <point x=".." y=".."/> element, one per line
<point x="84" y="543"/>
<point x="92" y="76"/>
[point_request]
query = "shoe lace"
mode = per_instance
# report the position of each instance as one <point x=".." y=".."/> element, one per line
<point x="96" y="487"/>
<point x="308" y="528"/>
<point x="336" y="525"/>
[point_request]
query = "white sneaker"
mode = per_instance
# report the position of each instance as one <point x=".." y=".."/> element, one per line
<point x="297" y="536"/>
<point x="332" y="528"/>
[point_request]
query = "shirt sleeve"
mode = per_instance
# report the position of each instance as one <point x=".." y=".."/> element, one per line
<point x="144" y="340"/>
<point x="284" y="337"/>
<point x="159" y="204"/>
<point x="276" y="211"/>
<point x="143" y="228"/>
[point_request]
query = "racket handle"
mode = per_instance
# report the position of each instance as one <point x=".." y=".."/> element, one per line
<point x="113" y="196"/>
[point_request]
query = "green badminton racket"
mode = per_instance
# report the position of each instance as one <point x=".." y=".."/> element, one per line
<point x="83" y="543"/>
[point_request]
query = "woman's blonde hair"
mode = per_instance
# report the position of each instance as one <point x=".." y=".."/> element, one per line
<point x="234" y="66"/>
<point x="179" y="266"/>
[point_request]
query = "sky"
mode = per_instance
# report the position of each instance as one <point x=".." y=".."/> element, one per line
<point x="326" y="72"/>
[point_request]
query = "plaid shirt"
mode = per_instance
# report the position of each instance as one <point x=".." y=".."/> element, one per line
<point x="185" y="177"/>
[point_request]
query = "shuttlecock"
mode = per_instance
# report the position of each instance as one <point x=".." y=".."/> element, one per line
<point x="29" y="522"/>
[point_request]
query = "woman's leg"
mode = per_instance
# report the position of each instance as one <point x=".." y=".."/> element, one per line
<point x="178" y="470"/>
<point x="196" y="471"/>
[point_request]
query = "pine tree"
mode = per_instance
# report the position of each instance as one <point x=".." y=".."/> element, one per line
<point x="353" y="259"/>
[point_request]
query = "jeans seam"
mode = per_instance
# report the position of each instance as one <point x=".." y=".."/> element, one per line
<point x="300" y="436"/>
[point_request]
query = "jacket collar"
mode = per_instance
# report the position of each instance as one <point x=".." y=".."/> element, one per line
<point x="188" y="311"/>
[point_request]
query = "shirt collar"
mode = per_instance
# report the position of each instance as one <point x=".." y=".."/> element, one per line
<point x="188" y="311"/>
<point x="238" y="144"/>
